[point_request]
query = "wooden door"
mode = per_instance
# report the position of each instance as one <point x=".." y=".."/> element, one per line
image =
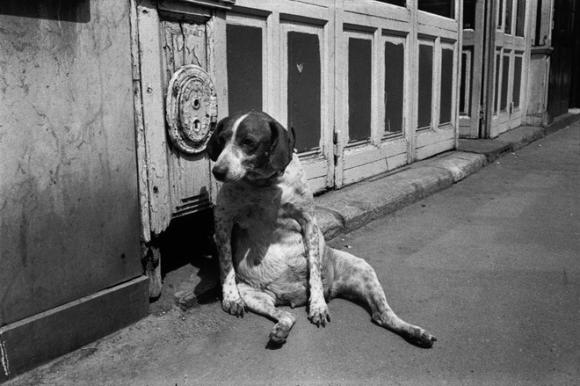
<point x="280" y="60"/>
<point x="562" y="58"/>
<point x="436" y="63"/>
<point x="510" y="63"/>
<point x="373" y="88"/>
<point x="472" y="69"/>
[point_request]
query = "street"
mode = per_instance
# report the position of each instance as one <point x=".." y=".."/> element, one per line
<point x="491" y="266"/>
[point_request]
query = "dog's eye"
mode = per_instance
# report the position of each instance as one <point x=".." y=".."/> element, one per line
<point x="249" y="143"/>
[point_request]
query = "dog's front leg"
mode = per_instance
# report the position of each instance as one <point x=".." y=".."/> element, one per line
<point x="318" y="309"/>
<point x="231" y="300"/>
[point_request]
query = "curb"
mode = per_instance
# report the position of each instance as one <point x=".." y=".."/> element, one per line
<point x="354" y="206"/>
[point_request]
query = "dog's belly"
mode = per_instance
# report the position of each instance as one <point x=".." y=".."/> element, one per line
<point x="272" y="260"/>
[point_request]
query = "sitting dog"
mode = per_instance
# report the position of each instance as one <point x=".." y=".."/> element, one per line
<point x="271" y="250"/>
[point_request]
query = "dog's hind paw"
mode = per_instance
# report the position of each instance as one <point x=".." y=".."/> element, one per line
<point x="319" y="314"/>
<point x="420" y="338"/>
<point x="234" y="306"/>
<point x="278" y="335"/>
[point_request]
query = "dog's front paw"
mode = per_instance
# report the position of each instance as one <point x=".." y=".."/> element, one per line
<point x="234" y="306"/>
<point x="319" y="314"/>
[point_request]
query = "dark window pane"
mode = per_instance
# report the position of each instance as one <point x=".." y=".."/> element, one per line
<point x="359" y="89"/>
<point x="517" y="80"/>
<point x="537" y="37"/>
<point x="508" y="17"/>
<point x="446" y="85"/>
<point x="401" y="3"/>
<point x="496" y="89"/>
<point x="439" y="7"/>
<point x="394" y="86"/>
<point x="244" y="57"/>
<point x="521" y="17"/>
<point x="469" y="14"/>
<point x="425" y="85"/>
<point x="499" y="14"/>
<point x="465" y="87"/>
<point x="304" y="85"/>
<point x="504" y="82"/>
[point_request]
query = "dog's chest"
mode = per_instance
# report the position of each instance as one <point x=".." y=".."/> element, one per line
<point x="268" y="209"/>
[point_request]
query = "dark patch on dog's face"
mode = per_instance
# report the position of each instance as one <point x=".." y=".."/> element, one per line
<point x="253" y="146"/>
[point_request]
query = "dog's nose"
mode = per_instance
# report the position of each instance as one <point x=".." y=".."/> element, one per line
<point x="219" y="172"/>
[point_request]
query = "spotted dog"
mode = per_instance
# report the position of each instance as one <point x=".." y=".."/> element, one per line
<point x="271" y="250"/>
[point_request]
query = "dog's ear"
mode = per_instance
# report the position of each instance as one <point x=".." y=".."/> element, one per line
<point x="282" y="145"/>
<point x="215" y="145"/>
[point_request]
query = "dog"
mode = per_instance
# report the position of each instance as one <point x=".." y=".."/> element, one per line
<point x="271" y="250"/>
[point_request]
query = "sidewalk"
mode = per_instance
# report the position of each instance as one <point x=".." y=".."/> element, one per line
<point x="350" y="208"/>
<point x="489" y="266"/>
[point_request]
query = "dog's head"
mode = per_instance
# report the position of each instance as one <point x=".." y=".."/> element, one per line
<point x="251" y="146"/>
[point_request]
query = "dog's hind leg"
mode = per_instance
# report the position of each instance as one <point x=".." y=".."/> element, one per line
<point x="355" y="279"/>
<point x="264" y="304"/>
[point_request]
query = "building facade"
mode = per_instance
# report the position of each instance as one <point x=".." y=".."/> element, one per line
<point x="106" y="107"/>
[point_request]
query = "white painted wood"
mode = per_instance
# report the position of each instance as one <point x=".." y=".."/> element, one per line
<point x="217" y="66"/>
<point x="153" y="118"/>
<point x="412" y="84"/>
<point x="438" y="32"/>
<point x="325" y="152"/>
<point x="378" y="23"/>
<point x="510" y="45"/>
<point x="142" y="172"/>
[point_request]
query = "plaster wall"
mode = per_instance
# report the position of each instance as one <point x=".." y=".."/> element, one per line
<point x="69" y="220"/>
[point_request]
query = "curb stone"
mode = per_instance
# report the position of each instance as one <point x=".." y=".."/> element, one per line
<point x="354" y="206"/>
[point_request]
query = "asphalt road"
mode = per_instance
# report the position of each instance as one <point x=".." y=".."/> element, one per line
<point x="491" y="266"/>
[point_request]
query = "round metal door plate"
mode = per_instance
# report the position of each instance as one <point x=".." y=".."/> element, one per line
<point x="190" y="109"/>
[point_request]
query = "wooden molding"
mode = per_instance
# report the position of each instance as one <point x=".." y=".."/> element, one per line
<point x="42" y="337"/>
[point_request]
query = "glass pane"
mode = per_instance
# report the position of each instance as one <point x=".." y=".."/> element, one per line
<point x="517" y="80"/>
<point x="446" y="85"/>
<point x="508" y="17"/>
<point x="469" y="14"/>
<point x="521" y="18"/>
<point x="439" y="7"/>
<point x="359" y="89"/>
<point x="244" y="58"/>
<point x="304" y="85"/>
<point x="537" y="36"/>
<point x="401" y="3"/>
<point x="465" y="87"/>
<point x="496" y="88"/>
<point x="394" y="86"/>
<point x="504" y="82"/>
<point x="499" y="13"/>
<point x="425" y="85"/>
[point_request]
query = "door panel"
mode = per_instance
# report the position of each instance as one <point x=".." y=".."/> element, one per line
<point x="244" y="58"/>
<point x="184" y="42"/>
<point x="437" y="39"/>
<point x="359" y="89"/>
<point x="305" y="96"/>
<point x="290" y="73"/>
<point x="425" y="89"/>
<point x="304" y="89"/>
<point x="472" y="69"/>
<point x="372" y="75"/>
<point x="510" y="62"/>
